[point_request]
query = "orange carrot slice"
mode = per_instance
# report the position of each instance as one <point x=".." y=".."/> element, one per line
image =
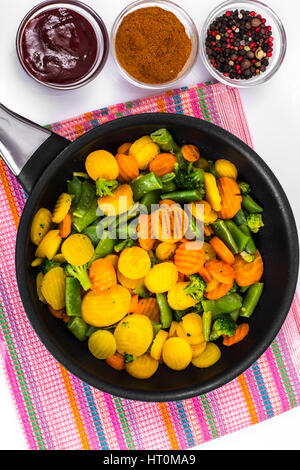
<point x="116" y="361"/>
<point x="163" y="164"/>
<point x="128" y="166"/>
<point x="190" y="153"/>
<point x="248" y="273"/>
<point x="65" y="226"/>
<point x="231" y="198"/>
<point x="189" y="257"/>
<point x="222" y="250"/>
<point x="219" y="270"/>
<point x="240" y="333"/>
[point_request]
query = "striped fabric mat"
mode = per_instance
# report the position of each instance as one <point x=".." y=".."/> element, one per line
<point x="57" y="411"/>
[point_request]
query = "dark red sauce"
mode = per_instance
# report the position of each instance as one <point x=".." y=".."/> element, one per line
<point x="59" y="46"/>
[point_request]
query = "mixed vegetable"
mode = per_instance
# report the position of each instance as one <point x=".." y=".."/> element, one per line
<point x="150" y="257"/>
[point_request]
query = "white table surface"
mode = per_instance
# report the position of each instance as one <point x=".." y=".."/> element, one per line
<point x="272" y="112"/>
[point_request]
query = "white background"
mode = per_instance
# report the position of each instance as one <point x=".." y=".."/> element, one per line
<point x="273" y="117"/>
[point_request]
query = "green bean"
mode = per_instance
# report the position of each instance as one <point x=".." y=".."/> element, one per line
<point x="86" y="198"/>
<point x="166" y="142"/>
<point x="92" y="232"/>
<point x="80" y="223"/>
<point x="73" y="297"/>
<point x="188" y="195"/>
<point x="74" y="188"/>
<point x="251" y="299"/>
<point x="194" y="230"/>
<point x="105" y="247"/>
<point x="78" y="328"/>
<point x="169" y="186"/>
<point x="151" y="198"/>
<point x="239" y="218"/>
<point x="166" y="316"/>
<point x="250" y="205"/>
<point x="240" y="238"/>
<point x="250" y="247"/>
<point x="122" y="219"/>
<point x="206" y="322"/>
<point x="144" y="184"/>
<point x="156" y="327"/>
<point x="225" y="304"/>
<point x="142" y="292"/>
<point x="235" y="314"/>
<point x="224" y="234"/>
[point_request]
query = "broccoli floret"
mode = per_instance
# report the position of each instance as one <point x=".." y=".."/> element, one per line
<point x="224" y="325"/>
<point x="189" y="177"/>
<point x="196" y="287"/>
<point x="245" y="188"/>
<point x="49" y="264"/>
<point x="80" y="273"/>
<point x="105" y="187"/>
<point x="255" y="222"/>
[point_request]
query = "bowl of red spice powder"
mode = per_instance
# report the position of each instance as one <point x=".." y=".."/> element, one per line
<point x="154" y="44"/>
<point x="243" y="43"/>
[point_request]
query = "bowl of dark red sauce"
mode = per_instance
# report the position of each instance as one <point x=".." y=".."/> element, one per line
<point x="63" y="45"/>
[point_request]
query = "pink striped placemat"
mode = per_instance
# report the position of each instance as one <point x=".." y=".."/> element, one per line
<point x="57" y="411"/>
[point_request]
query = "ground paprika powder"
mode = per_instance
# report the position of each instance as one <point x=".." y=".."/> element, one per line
<point x="152" y="45"/>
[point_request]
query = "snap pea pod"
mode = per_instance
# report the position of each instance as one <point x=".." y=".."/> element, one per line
<point x="240" y="238"/>
<point x="166" y="142"/>
<point x="80" y="223"/>
<point x="144" y="184"/>
<point x="105" y="247"/>
<point x="168" y="186"/>
<point x="75" y="188"/>
<point x="239" y="218"/>
<point x="151" y="198"/>
<point x="166" y="316"/>
<point x="122" y="219"/>
<point x="224" y="234"/>
<point x="206" y="324"/>
<point x="73" y="297"/>
<point x="87" y="196"/>
<point x="235" y="314"/>
<point x="225" y="304"/>
<point x="250" y="247"/>
<point x="92" y="232"/>
<point x="185" y="196"/>
<point x="251" y="299"/>
<point x="78" y="328"/>
<point x="194" y="230"/>
<point x="250" y="205"/>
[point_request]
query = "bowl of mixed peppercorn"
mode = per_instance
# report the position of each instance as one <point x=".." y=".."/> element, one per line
<point x="243" y="43"/>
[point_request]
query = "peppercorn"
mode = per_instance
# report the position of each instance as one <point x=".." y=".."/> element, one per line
<point x="239" y="44"/>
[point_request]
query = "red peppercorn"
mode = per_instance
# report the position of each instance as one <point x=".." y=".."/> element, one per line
<point x="258" y="16"/>
<point x="269" y="28"/>
<point x="269" y="54"/>
<point x="257" y="29"/>
<point x="214" y="33"/>
<point x="226" y="74"/>
<point x="237" y="67"/>
<point x="252" y="13"/>
<point x="228" y="13"/>
<point x="253" y="61"/>
<point x="240" y="58"/>
<point x="263" y="20"/>
<point x="239" y="72"/>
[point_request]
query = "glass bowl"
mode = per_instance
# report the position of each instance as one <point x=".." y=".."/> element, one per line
<point x="190" y="29"/>
<point x="100" y="31"/>
<point x="278" y="33"/>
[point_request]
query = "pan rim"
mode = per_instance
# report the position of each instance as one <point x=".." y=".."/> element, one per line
<point x="220" y="379"/>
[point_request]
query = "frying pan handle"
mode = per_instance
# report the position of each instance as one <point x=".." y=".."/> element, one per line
<point x="26" y="147"/>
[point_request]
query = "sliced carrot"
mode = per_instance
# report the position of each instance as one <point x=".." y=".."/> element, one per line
<point x="208" y="230"/>
<point x="189" y="257"/>
<point x="222" y="250"/>
<point x="117" y="361"/>
<point x="163" y="164"/>
<point x="190" y="153"/>
<point x="248" y="273"/>
<point x="124" y="148"/>
<point x="167" y="202"/>
<point x="134" y="303"/>
<point x="65" y="226"/>
<point x="205" y="274"/>
<point x="231" y="199"/>
<point x="144" y="232"/>
<point x="212" y="285"/>
<point x="148" y="307"/>
<point x="240" y="333"/>
<point x="221" y="290"/>
<point x="102" y="275"/>
<point x="220" y="270"/>
<point x="128" y="166"/>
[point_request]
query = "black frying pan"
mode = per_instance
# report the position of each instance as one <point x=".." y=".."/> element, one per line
<point x="44" y="177"/>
